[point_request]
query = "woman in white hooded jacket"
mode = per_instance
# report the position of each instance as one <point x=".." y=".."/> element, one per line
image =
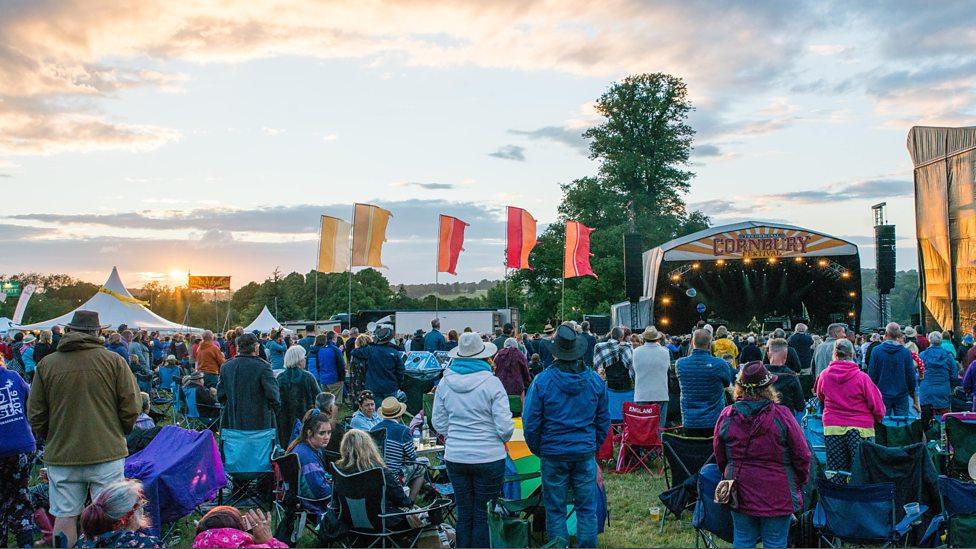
<point x="471" y="410"/>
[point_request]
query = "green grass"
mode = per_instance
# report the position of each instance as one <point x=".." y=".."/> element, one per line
<point x="630" y="497"/>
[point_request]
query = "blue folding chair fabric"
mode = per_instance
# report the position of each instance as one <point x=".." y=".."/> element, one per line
<point x="615" y="401"/>
<point x="168" y="377"/>
<point x="873" y="505"/>
<point x="958" y="498"/>
<point x="247" y="451"/>
<point x="711" y="518"/>
<point x="813" y="431"/>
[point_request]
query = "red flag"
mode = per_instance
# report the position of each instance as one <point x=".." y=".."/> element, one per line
<point x="576" y="260"/>
<point x="521" y="238"/>
<point x="450" y="244"/>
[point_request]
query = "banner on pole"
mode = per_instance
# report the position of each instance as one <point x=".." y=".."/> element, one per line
<point x="334" y="245"/>
<point x="521" y="238"/>
<point x="197" y="282"/>
<point x="576" y="259"/>
<point x="450" y="244"/>
<point x="368" y="235"/>
<point x="25" y="296"/>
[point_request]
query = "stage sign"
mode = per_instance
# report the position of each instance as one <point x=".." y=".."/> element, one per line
<point x="196" y="282"/>
<point x="10" y="287"/>
<point x="757" y="242"/>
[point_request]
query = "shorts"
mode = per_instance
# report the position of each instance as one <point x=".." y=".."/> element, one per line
<point x="413" y="471"/>
<point x="70" y="485"/>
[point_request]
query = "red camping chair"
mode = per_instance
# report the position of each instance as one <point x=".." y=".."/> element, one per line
<point x="641" y="440"/>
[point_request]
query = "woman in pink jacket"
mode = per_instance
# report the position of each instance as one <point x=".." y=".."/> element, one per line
<point x="851" y="405"/>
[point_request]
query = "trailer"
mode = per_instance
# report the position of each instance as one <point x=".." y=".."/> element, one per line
<point x="483" y="321"/>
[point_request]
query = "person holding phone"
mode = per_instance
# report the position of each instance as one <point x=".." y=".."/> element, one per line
<point x="225" y="526"/>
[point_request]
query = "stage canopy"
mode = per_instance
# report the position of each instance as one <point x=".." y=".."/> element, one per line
<point x="753" y="269"/>
<point x="116" y="306"/>
<point x="264" y="323"/>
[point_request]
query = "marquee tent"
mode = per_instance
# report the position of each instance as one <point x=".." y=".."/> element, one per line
<point x="115" y="306"/>
<point x="264" y="323"/>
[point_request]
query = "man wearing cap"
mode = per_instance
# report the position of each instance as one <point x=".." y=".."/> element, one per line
<point x="248" y="389"/>
<point x="651" y="365"/>
<point x="434" y="340"/>
<point x="892" y="369"/>
<point x="83" y="401"/>
<point x="703" y="379"/>
<point x="384" y="364"/>
<point x="565" y="420"/>
<point x="399" y="453"/>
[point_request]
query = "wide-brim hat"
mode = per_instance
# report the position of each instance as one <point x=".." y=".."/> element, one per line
<point x="171" y="358"/>
<point x="383" y="334"/>
<point x="651" y="334"/>
<point x="29" y="339"/>
<point x="391" y="408"/>
<point x="85" y="321"/>
<point x="754" y="375"/>
<point x="567" y="345"/>
<point x="548" y="329"/>
<point x="470" y="345"/>
<point x="194" y="376"/>
<point x="910" y="332"/>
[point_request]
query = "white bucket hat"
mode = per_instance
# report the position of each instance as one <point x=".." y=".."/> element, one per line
<point x="471" y="346"/>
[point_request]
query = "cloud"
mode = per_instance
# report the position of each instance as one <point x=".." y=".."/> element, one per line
<point x="272" y="131"/>
<point x="428" y="186"/>
<point x="870" y="189"/>
<point x="510" y="152"/>
<point x="567" y="136"/>
<point x="330" y="137"/>
<point x="720" y="207"/>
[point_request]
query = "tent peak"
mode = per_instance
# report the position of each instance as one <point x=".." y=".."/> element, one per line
<point x="114" y="283"/>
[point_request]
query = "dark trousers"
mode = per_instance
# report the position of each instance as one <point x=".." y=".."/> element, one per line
<point x="474" y="485"/>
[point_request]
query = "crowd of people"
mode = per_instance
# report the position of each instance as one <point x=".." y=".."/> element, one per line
<point x="71" y="398"/>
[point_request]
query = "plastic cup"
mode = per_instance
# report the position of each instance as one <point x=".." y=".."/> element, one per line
<point x="911" y="508"/>
<point x="655" y="513"/>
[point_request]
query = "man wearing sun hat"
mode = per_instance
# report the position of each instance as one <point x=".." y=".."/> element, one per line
<point x="399" y="453"/>
<point x="651" y="364"/>
<point x="565" y="419"/>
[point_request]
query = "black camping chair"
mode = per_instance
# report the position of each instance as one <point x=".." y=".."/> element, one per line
<point x="684" y="457"/>
<point x="292" y="513"/>
<point x="908" y="468"/>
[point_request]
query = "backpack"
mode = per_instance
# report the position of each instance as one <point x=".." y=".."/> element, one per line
<point x="618" y="377"/>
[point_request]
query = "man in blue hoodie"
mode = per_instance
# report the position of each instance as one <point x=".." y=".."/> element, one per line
<point x="565" y="420"/>
<point x="384" y="364"/>
<point x="892" y="369"/>
<point x="703" y="379"/>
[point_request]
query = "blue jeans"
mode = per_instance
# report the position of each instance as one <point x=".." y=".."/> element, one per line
<point x="557" y="478"/>
<point x="474" y="485"/>
<point x="772" y="530"/>
<point x="898" y="406"/>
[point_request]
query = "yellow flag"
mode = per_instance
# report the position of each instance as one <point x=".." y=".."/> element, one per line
<point x="368" y="235"/>
<point x="334" y="245"/>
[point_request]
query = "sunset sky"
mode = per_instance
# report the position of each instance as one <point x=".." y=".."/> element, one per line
<point x="166" y="136"/>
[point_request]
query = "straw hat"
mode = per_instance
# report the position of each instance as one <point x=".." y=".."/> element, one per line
<point x="651" y="334"/>
<point x="910" y="332"/>
<point x="548" y="329"/>
<point x="392" y="408"/>
<point x="471" y="346"/>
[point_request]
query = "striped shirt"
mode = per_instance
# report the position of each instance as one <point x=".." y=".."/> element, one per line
<point x="398" y="447"/>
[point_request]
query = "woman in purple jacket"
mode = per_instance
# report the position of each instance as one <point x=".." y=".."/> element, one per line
<point x="759" y="444"/>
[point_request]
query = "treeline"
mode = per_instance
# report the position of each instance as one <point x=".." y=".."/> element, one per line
<point x="448" y="288"/>
<point x="903" y="299"/>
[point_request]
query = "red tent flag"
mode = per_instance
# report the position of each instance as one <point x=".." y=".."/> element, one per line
<point x="576" y="260"/>
<point x="521" y="238"/>
<point x="450" y="244"/>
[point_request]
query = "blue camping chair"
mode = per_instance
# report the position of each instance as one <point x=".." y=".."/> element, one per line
<point x="813" y="431"/>
<point x="958" y="516"/>
<point x="860" y="513"/>
<point x="192" y="414"/>
<point x="615" y="402"/>
<point x="710" y="519"/>
<point x="247" y="459"/>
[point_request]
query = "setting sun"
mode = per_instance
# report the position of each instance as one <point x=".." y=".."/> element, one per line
<point x="177" y="276"/>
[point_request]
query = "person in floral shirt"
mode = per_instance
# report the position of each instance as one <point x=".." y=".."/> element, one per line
<point x="224" y="526"/>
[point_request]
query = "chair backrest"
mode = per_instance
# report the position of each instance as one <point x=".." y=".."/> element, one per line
<point x="616" y="401"/>
<point x="641" y="425"/>
<point x="361" y="498"/>
<point x="961" y="437"/>
<point x="379" y="438"/>
<point x="710" y="516"/>
<point x="247" y="451"/>
<point x="515" y="404"/>
<point x="907" y="467"/>
<point x="287" y="476"/>
<point x="898" y="431"/>
<point x="685" y="455"/>
<point x="873" y="505"/>
<point x="428" y="406"/>
<point x="169" y="377"/>
<point x="190" y="398"/>
<point x="958" y="497"/>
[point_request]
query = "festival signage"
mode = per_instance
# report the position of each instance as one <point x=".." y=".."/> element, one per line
<point x="197" y="282"/>
<point x="760" y="242"/>
<point x="11" y="288"/>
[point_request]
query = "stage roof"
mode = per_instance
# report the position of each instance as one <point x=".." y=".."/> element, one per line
<point x="758" y="239"/>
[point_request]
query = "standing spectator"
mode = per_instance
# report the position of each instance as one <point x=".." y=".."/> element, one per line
<point x="13" y="349"/>
<point x="56" y="336"/>
<point x="507" y="331"/>
<point x="512" y="369"/>
<point x="823" y="354"/>
<point x="892" y="369"/>
<point x="209" y="359"/>
<point x="723" y="345"/>
<point x="851" y="403"/>
<point x="565" y="420"/>
<point x="590" y="343"/>
<point x="940" y="370"/>
<point x="651" y="365"/>
<point x="17" y="448"/>
<point x="759" y="445"/>
<point x="802" y="343"/>
<point x="416" y="343"/>
<point x="471" y="410"/>
<point x="178" y="349"/>
<point x="750" y="352"/>
<point x="964" y="347"/>
<point x="248" y="389"/>
<point x="309" y="339"/>
<point x="140" y="347"/>
<point x="231" y="337"/>
<point x="276" y="348"/>
<point x="398" y="450"/>
<point x="535" y="365"/>
<point x="84" y="401"/>
<point x="221" y="343"/>
<point x="298" y="390"/>
<point x="703" y="379"/>
<point x="350" y="342"/>
<point x="434" y="340"/>
<point x="44" y="346"/>
<point x="116" y="345"/>
<point x="543" y="348"/>
<point x="27" y="357"/>
<point x="330" y="365"/>
<point x="947" y="342"/>
<point x="384" y="364"/>
<point x="787" y="384"/>
<point x="615" y="359"/>
<point x="923" y="342"/>
<point x="156" y="349"/>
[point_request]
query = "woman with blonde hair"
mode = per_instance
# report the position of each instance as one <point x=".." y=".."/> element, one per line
<point x="358" y="453"/>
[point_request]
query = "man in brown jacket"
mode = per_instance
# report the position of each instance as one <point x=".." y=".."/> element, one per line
<point x="209" y="359"/>
<point x="83" y="401"/>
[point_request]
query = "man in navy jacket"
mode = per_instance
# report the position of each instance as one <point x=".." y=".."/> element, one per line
<point x="892" y="369"/>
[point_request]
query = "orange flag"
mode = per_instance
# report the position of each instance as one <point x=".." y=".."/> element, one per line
<point x="450" y="244"/>
<point x="521" y="238"/>
<point x="368" y="235"/>
<point x="576" y="260"/>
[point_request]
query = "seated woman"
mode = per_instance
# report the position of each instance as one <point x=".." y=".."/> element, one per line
<point x="224" y="526"/>
<point x="114" y="518"/>
<point x="330" y="407"/>
<point x="309" y="446"/>
<point x="358" y="453"/>
<point x="365" y="417"/>
<point x="206" y="399"/>
<point x="144" y="421"/>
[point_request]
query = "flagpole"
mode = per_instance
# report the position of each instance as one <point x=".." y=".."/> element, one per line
<point x="318" y="258"/>
<point x="437" y="269"/>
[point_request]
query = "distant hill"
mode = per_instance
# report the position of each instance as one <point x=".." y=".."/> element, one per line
<point x="471" y="289"/>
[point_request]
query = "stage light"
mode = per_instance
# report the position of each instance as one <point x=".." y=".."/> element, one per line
<point x="851" y="314"/>
<point x="822" y="262"/>
<point x="772" y="260"/>
<point x="696" y="265"/>
<point x="665" y="322"/>
<point x="675" y="277"/>
<point x="845" y="274"/>
<point x="720" y="262"/>
<point x="665" y="300"/>
<point x="747" y="260"/>
<point x="853" y="294"/>
<point x="798" y="260"/>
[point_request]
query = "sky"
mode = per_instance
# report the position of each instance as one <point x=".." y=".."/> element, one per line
<point x="173" y="136"/>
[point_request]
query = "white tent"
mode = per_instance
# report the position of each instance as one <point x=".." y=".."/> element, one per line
<point x="115" y="306"/>
<point x="264" y="323"/>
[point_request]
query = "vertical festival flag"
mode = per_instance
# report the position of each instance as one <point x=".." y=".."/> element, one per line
<point x="368" y="235"/>
<point x="521" y="238"/>
<point x="450" y="244"/>
<point x="576" y="260"/>
<point x="334" y="245"/>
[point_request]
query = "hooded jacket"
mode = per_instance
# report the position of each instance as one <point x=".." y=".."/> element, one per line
<point x="893" y="371"/>
<point x="16" y="433"/>
<point x="84" y="400"/>
<point x="703" y="380"/>
<point x="471" y="410"/>
<point x="566" y="415"/>
<point x="249" y="392"/>
<point x="760" y="445"/>
<point x="384" y="368"/>
<point x="513" y="370"/>
<point x="935" y="388"/>
<point x="850" y="398"/>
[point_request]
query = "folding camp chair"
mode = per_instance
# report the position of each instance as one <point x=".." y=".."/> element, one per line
<point x="517" y="522"/>
<point x="710" y="519"/>
<point x="813" y="431"/>
<point x="515" y="404"/>
<point x="379" y="438"/>
<point x="361" y="500"/>
<point x="908" y="468"/>
<point x="292" y="513"/>
<point x="961" y="439"/>
<point x="899" y="431"/>
<point x="247" y="461"/>
<point x="167" y="382"/>
<point x="641" y="439"/>
<point x="860" y="513"/>
<point x="684" y="456"/>
<point x="194" y="419"/>
<point x="958" y="518"/>
<point x="615" y="404"/>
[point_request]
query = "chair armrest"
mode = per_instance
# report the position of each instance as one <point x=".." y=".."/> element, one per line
<point x="906" y="523"/>
<point x="819" y="517"/>
<point x="434" y="506"/>
<point x="521" y="477"/>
